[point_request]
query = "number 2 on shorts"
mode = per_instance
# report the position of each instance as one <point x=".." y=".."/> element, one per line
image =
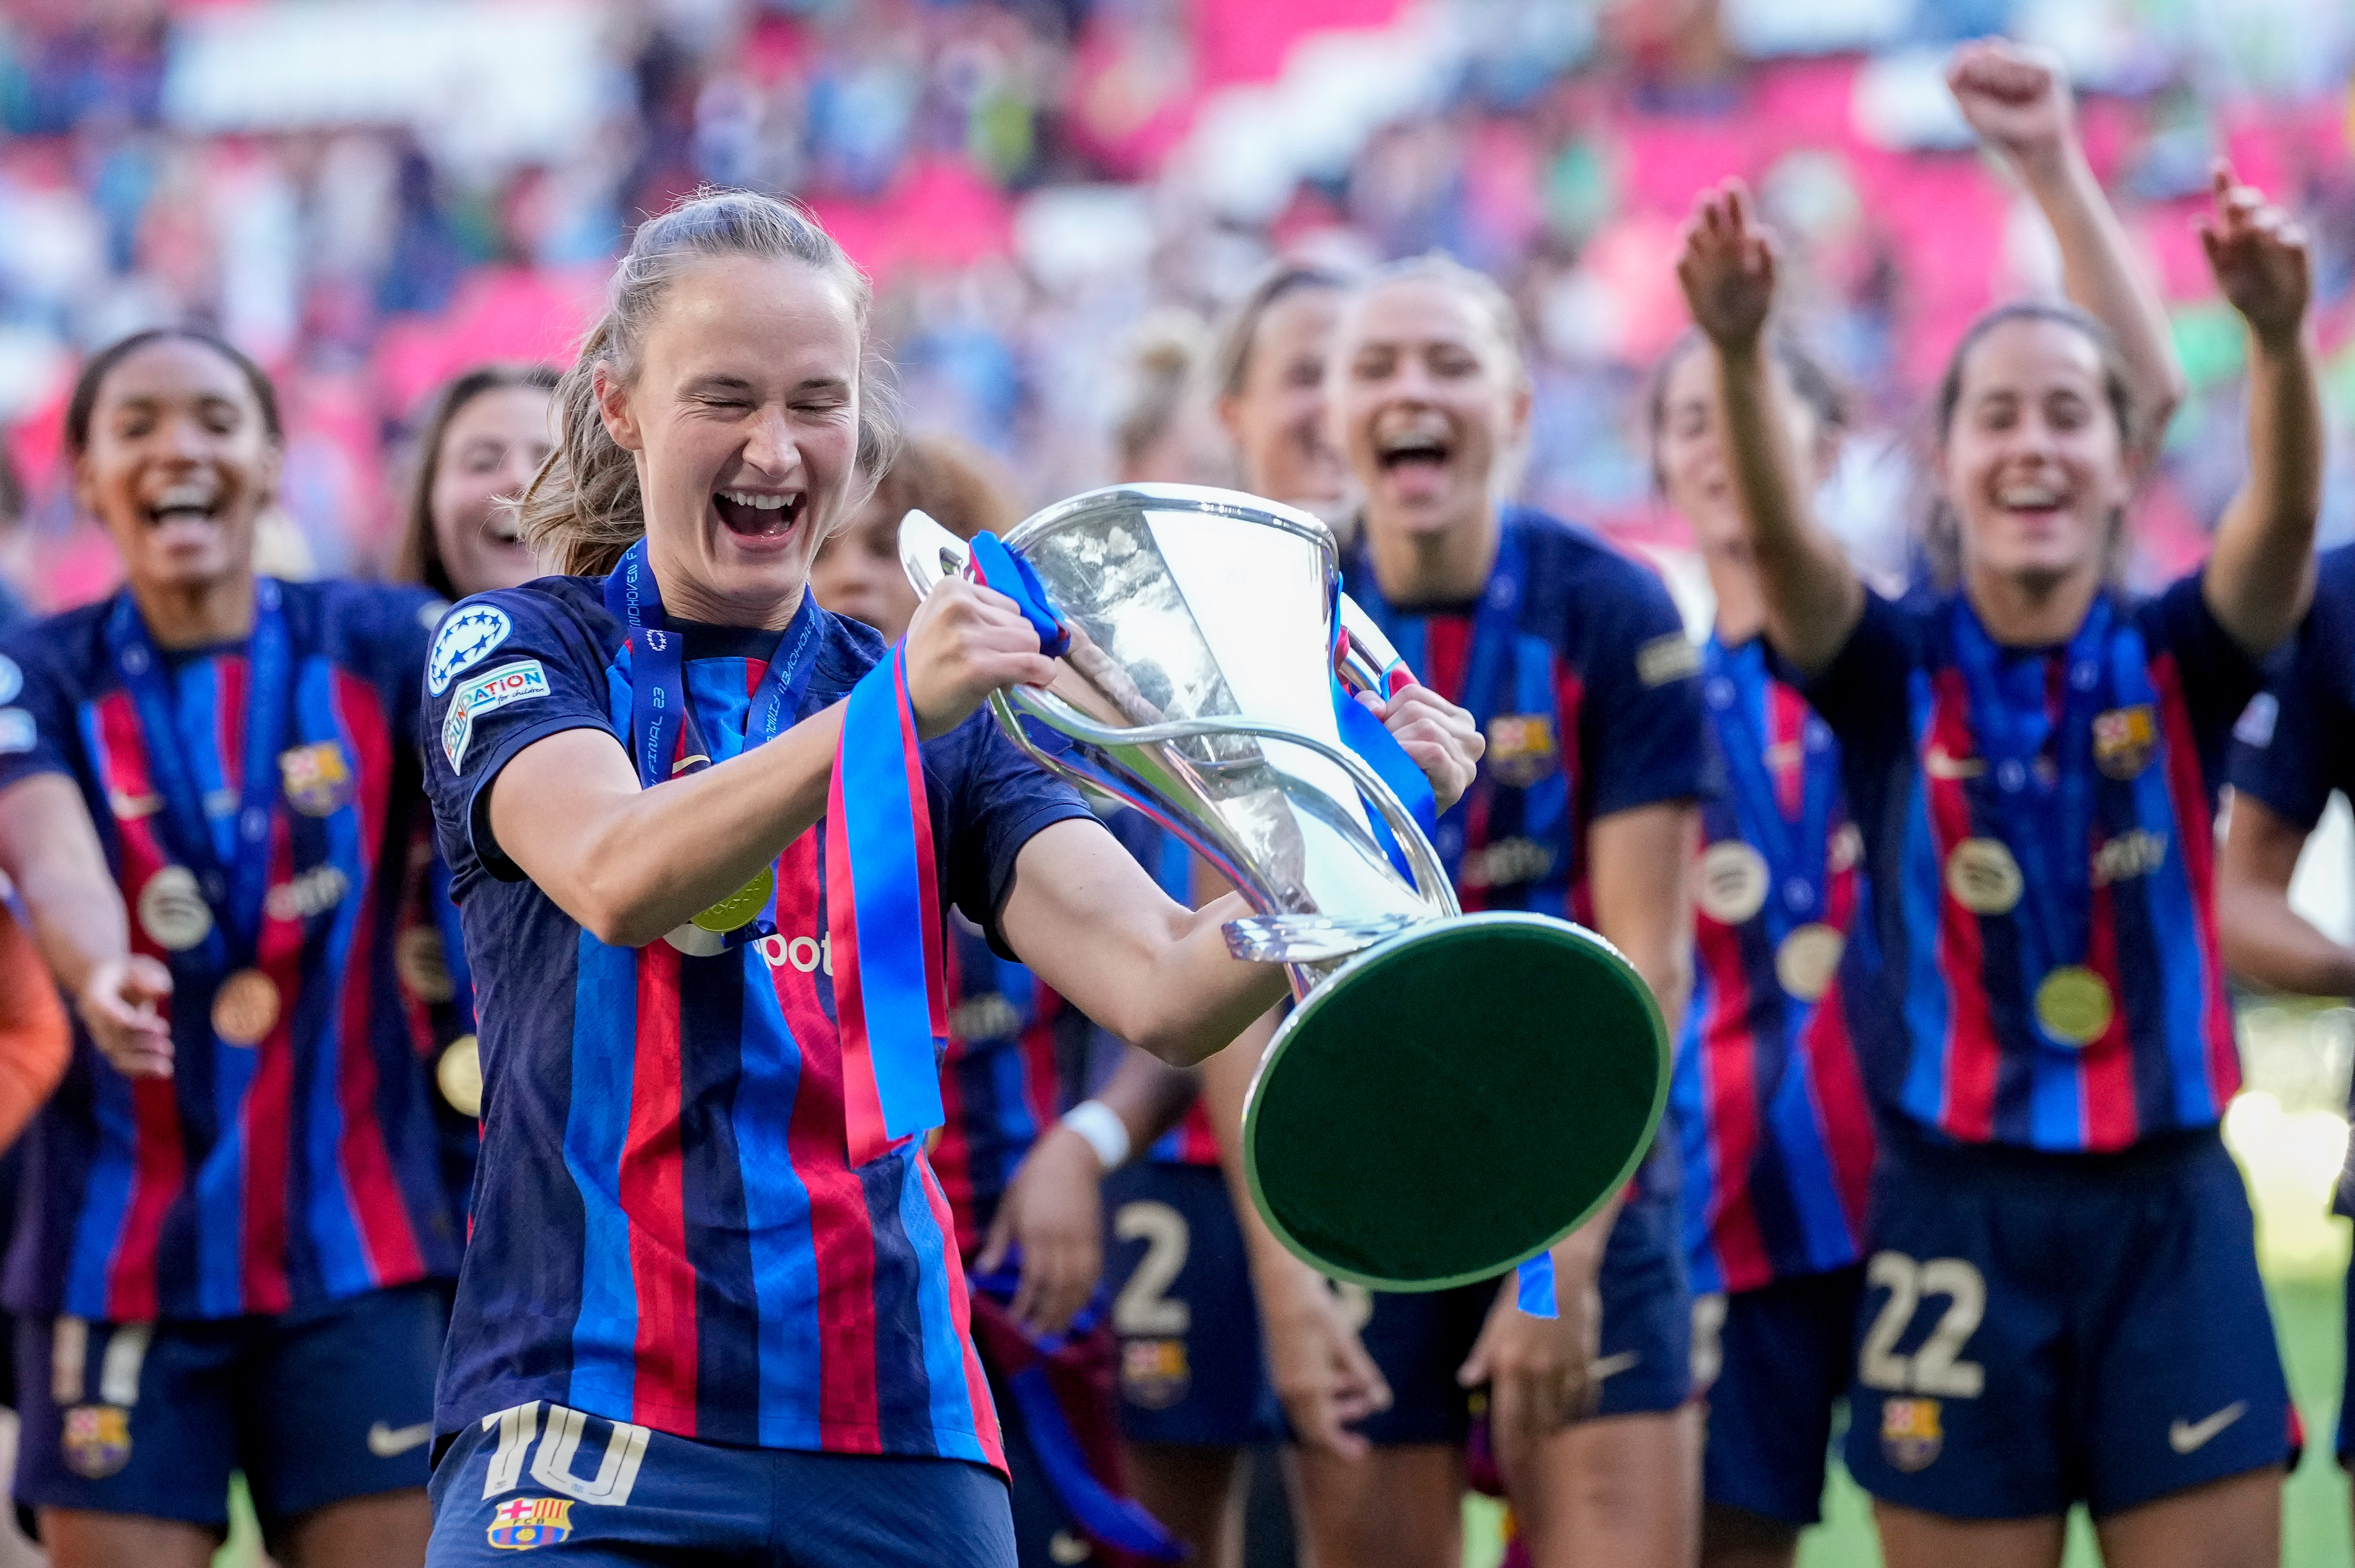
<point x="1932" y="1368"/>
<point x="1143" y="1307"/>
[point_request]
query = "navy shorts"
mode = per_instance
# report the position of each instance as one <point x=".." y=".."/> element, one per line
<point x="150" y="1418"/>
<point x="541" y="1476"/>
<point x="2040" y="1329"/>
<point x="1191" y="1368"/>
<point x="1771" y="1363"/>
<point x="1418" y="1340"/>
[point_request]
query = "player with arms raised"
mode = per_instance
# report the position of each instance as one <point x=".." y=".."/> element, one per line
<point x="2065" y="1302"/>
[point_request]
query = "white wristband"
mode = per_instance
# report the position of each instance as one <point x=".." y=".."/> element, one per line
<point x="1106" y="1133"/>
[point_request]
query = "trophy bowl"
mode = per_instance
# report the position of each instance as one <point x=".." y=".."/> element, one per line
<point x="1450" y="1094"/>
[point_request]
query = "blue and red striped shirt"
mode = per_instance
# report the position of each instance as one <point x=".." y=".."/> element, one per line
<point x="1767" y="1102"/>
<point x="668" y="1229"/>
<point x="1949" y="1013"/>
<point x="301" y="1168"/>
<point x="1576" y="665"/>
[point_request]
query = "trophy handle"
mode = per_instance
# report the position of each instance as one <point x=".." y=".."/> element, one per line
<point x="1430" y="879"/>
<point x="1368" y="660"/>
<point x="928" y="552"/>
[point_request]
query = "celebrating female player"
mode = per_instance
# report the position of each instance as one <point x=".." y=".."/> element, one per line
<point x="2065" y="1301"/>
<point x="488" y="433"/>
<point x="713" y="1306"/>
<point x="233" y="1219"/>
<point x="1195" y="1395"/>
<point x="2293" y="750"/>
<point x="1768" y="1109"/>
<point x="1577" y="667"/>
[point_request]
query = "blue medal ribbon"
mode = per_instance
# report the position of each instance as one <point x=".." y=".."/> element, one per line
<point x="996" y="568"/>
<point x="661" y="709"/>
<point x="1739" y="691"/>
<point x="2041" y="767"/>
<point x="231" y="860"/>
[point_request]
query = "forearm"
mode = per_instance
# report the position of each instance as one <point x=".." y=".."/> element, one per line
<point x="2261" y="572"/>
<point x="1812" y="597"/>
<point x="2268" y="943"/>
<point x="1197" y="997"/>
<point x="79" y="922"/>
<point x="632" y="864"/>
<point x="1148" y="1094"/>
<point x="2099" y="273"/>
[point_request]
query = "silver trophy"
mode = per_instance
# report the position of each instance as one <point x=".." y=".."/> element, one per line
<point x="1450" y="1094"/>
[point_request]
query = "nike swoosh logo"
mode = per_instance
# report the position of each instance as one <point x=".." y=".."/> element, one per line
<point x="385" y="1441"/>
<point x="2189" y="1436"/>
<point x="1610" y="1366"/>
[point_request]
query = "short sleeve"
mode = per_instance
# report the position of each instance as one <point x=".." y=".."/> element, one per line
<point x="38" y="731"/>
<point x="505" y="669"/>
<point x="1862" y="693"/>
<point x="2218" y="674"/>
<point x="2295" y="742"/>
<point x="997" y="799"/>
<point x="1642" y="727"/>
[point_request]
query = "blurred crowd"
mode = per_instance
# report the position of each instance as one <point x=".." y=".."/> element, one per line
<point x="1050" y="193"/>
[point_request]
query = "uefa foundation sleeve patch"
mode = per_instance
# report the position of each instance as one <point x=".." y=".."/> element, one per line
<point x="510" y="683"/>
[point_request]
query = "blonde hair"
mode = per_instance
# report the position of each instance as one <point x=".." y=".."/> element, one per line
<point x="583" y="509"/>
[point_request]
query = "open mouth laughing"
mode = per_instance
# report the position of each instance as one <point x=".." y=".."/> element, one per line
<point x="764" y="514"/>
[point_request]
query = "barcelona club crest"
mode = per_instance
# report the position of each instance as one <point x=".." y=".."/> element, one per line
<point x="1521" y="748"/>
<point x="1154" y="1373"/>
<point x="526" y="1522"/>
<point x="2124" y="740"/>
<point x="1910" y="1432"/>
<point x="97" y="1440"/>
<point x="318" y="778"/>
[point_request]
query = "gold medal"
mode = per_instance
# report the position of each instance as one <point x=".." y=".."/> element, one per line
<point x="2073" y="1005"/>
<point x="459" y="1075"/>
<point x="1807" y="959"/>
<point x="245" y="1008"/>
<point x="424" y="968"/>
<point x="741" y="907"/>
<point x="1983" y="878"/>
<point x="1730" y="883"/>
<point x="172" y="910"/>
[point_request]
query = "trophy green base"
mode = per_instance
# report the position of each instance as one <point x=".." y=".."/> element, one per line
<point x="1456" y="1100"/>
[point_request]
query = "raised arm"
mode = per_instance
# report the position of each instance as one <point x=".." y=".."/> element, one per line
<point x="2261" y="573"/>
<point x="1812" y="596"/>
<point x="2019" y="101"/>
<point x="50" y="849"/>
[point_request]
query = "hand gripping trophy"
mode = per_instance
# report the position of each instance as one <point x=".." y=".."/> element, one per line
<point x="1451" y="1093"/>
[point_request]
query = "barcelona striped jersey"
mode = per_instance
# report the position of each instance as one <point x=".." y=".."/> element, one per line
<point x="1767" y="1102"/>
<point x="668" y="1228"/>
<point x="1576" y="666"/>
<point x="2037" y="833"/>
<point x="289" y="1160"/>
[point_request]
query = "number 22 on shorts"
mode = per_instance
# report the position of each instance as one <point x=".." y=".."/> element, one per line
<point x="1935" y="1368"/>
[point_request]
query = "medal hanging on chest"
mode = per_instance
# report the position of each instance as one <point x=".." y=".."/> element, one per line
<point x="211" y="899"/>
<point x="1777" y="868"/>
<point x="663" y="720"/>
<point x="2041" y="798"/>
